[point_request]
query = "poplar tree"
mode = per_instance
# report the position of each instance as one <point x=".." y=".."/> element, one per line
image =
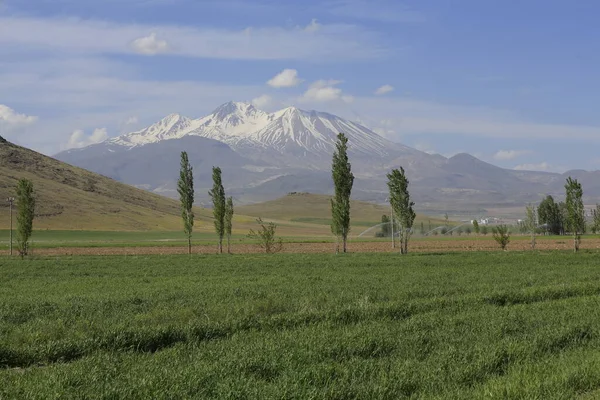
<point x="575" y="213"/>
<point x="218" y="199"/>
<point x="343" y="180"/>
<point x="228" y="221"/>
<point x="402" y="205"/>
<point x="596" y="219"/>
<point x="476" y="226"/>
<point x="185" y="188"/>
<point x="26" y="206"/>
<point x="531" y="222"/>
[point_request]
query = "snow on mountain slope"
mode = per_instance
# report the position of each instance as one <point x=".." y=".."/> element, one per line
<point x="173" y="126"/>
<point x="288" y="131"/>
<point x="231" y="122"/>
<point x="317" y="132"/>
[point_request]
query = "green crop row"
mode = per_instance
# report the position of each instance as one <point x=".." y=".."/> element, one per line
<point x="471" y="325"/>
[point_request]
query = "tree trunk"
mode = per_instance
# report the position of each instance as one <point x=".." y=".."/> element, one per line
<point x="220" y="245"/>
<point x="344" y="240"/>
<point x="228" y="244"/>
<point x="189" y="245"/>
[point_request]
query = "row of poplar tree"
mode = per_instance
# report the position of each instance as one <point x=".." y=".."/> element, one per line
<point x="343" y="180"/>
<point x="222" y="205"/>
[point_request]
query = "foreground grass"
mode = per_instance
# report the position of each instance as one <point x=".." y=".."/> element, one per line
<point x="478" y="325"/>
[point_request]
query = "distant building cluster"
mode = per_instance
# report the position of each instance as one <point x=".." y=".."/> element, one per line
<point x="487" y="221"/>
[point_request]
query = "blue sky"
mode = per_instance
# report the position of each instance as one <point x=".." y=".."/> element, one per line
<point x="513" y="82"/>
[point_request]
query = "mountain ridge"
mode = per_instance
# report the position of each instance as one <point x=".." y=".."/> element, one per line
<point x="290" y="150"/>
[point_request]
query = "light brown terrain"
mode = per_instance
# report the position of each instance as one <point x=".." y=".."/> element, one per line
<point x="417" y="246"/>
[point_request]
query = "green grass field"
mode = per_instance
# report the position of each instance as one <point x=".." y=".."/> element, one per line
<point x="479" y="325"/>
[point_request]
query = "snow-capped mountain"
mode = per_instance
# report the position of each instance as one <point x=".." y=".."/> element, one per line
<point x="265" y="155"/>
<point x="290" y="132"/>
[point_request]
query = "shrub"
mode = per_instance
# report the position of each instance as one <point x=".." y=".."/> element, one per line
<point x="501" y="235"/>
<point x="266" y="237"/>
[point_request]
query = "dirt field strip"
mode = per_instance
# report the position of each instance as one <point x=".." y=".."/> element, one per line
<point x="423" y="246"/>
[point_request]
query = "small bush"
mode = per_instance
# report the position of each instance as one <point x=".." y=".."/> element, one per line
<point x="266" y="237"/>
<point x="501" y="235"/>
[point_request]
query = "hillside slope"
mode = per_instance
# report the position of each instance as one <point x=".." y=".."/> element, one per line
<point x="72" y="198"/>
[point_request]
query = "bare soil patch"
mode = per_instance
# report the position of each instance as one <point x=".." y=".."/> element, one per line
<point x="418" y="246"/>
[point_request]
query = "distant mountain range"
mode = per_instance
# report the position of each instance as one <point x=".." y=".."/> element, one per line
<point x="266" y="155"/>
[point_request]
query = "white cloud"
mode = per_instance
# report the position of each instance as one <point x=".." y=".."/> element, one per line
<point x="286" y="78"/>
<point x="325" y="90"/>
<point x="150" y="45"/>
<point x="384" y="89"/>
<point x="510" y="154"/>
<point x="10" y="117"/>
<point x="79" y="36"/>
<point x="262" y="101"/>
<point x="79" y="139"/>
<point x="131" y="120"/>
<point x="314" y="26"/>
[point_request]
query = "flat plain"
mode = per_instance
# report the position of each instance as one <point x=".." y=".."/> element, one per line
<point x="301" y="326"/>
<point x="64" y="243"/>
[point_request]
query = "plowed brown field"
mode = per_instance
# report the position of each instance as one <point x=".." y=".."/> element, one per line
<point x="479" y="244"/>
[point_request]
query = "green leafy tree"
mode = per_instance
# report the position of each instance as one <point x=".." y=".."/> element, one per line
<point x="501" y="235"/>
<point x="531" y="223"/>
<point x="484" y="230"/>
<point x="217" y="194"/>
<point x="563" y="213"/>
<point x="266" y="238"/>
<point x="575" y="212"/>
<point x="343" y="180"/>
<point x="549" y="214"/>
<point x="26" y="213"/>
<point x="185" y="188"/>
<point x="596" y="219"/>
<point x="228" y="221"/>
<point x="402" y="206"/>
<point x="476" y="226"/>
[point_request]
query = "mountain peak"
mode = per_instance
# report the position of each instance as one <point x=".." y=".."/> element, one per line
<point x="172" y="126"/>
<point x="234" y="107"/>
<point x="172" y="119"/>
<point x="463" y="157"/>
